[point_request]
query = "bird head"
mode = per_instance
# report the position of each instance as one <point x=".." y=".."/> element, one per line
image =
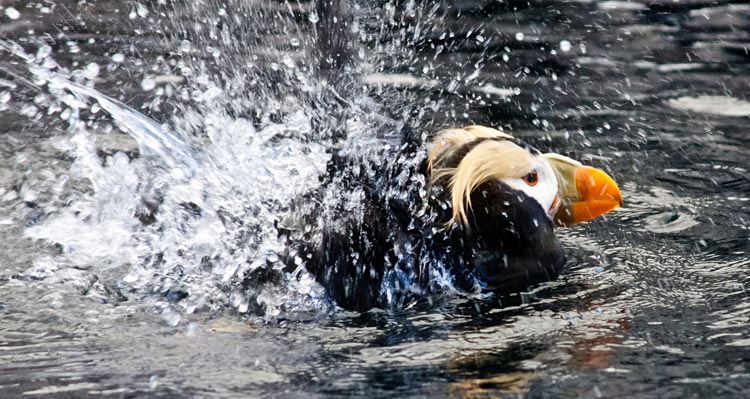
<point x="566" y="191"/>
<point x="505" y="200"/>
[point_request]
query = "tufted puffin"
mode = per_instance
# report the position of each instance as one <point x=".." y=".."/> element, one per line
<point x="473" y="209"/>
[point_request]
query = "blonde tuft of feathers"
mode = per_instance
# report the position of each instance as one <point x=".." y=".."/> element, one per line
<point x="491" y="159"/>
<point x="449" y="140"/>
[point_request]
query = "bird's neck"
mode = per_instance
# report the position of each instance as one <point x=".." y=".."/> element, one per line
<point x="507" y="245"/>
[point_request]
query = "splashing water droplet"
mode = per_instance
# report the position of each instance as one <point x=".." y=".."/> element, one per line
<point x="29" y="110"/>
<point x="186" y="46"/>
<point x="294" y="42"/>
<point x="5" y="97"/>
<point x="12" y="13"/>
<point x="92" y="70"/>
<point x="72" y="47"/>
<point x="141" y="10"/>
<point x="314" y="17"/>
<point x="288" y="61"/>
<point x="65" y="114"/>
<point x="565" y="46"/>
<point x="148" y="84"/>
<point x="43" y="52"/>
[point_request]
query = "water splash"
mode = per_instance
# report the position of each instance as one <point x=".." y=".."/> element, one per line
<point x="189" y="216"/>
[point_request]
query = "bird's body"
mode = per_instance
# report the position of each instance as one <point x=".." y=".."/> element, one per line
<point x="449" y="213"/>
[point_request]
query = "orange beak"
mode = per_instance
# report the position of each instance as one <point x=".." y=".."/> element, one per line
<point x="585" y="192"/>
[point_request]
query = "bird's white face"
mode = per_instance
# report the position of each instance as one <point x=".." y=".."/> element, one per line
<point x="540" y="184"/>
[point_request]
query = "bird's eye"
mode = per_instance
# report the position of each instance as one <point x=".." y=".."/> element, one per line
<point x="531" y="179"/>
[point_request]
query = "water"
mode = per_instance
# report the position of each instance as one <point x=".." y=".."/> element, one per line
<point x="652" y="303"/>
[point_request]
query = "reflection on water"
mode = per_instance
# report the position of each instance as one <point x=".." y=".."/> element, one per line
<point x="653" y="302"/>
<point x="719" y="105"/>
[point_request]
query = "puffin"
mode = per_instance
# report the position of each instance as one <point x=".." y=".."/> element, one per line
<point x="472" y="210"/>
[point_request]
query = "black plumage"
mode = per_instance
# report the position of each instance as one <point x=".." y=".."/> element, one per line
<point x="380" y="235"/>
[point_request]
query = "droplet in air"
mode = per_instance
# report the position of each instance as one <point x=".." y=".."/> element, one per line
<point x="141" y="10"/>
<point x="565" y="46"/>
<point x="148" y="84"/>
<point x="12" y="13"/>
<point x="118" y="58"/>
<point x="294" y="42"/>
<point x="186" y="46"/>
<point x="288" y="61"/>
<point x="520" y="36"/>
<point x="313" y="17"/>
<point x="43" y="52"/>
<point x="5" y="97"/>
<point x="92" y="70"/>
<point x="29" y="110"/>
<point x="153" y="382"/>
<point x="72" y="47"/>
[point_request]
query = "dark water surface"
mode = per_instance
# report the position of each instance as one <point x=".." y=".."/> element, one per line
<point x="652" y="303"/>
